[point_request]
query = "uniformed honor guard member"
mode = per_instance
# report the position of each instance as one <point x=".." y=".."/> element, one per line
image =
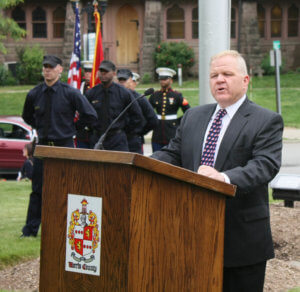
<point x="166" y="102"/>
<point x="85" y="85"/>
<point x="83" y="135"/>
<point x="129" y="81"/>
<point x="135" y="79"/>
<point x="50" y="108"/>
<point x="109" y="99"/>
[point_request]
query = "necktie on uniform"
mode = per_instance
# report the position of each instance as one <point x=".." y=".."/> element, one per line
<point x="48" y="108"/>
<point x="208" y="155"/>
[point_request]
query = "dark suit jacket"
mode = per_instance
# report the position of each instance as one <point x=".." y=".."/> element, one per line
<point x="250" y="154"/>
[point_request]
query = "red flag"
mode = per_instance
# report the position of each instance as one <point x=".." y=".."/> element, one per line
<point x="74" y="76"/>
<point x="98" y="55"/>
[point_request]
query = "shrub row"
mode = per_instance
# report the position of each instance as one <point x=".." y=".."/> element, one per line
<point x="167" y="54"/>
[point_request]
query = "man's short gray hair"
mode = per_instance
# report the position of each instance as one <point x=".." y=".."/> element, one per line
<point x="235" y="54"/>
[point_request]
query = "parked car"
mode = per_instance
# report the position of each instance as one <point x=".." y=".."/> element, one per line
<point x="14" y="135"/>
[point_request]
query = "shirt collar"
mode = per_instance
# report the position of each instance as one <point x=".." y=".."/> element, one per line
<point x="53" y="87"/>
<point x="232" y="109"/>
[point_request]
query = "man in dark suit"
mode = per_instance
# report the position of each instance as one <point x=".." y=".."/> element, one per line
<point x="245" y="151"/>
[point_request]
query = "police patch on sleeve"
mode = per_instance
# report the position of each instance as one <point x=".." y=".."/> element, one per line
<point x="83" y="239"/>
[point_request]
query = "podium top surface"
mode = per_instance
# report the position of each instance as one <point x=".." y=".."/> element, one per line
<point x="137" y="160"/>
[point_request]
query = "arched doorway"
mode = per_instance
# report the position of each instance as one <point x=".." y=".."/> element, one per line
<point x="127" y="25"/>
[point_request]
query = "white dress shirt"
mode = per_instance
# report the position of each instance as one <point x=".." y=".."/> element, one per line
<point x="231" y="110"/>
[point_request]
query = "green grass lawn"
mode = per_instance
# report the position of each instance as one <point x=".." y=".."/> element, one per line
<point x="261" y="90"/>
<point x="14" y="201"/>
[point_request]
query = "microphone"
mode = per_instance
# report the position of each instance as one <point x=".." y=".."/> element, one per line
<point x="99" y="144"/>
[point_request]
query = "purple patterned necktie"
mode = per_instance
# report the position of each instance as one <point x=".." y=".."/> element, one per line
<point x="208" y="155"/>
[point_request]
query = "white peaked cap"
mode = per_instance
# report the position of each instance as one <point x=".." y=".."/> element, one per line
<point x="165" y="72"/>
<point x="135" y="76"/>
<point x="87" y="64"/>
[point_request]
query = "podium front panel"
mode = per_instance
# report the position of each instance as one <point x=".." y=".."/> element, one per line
<point x="158" y="233"/>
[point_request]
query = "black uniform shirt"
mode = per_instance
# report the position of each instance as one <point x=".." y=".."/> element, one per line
<point x="65" y="101"/>
<point x="148" y="113"/>
<point x="119" y="98"/>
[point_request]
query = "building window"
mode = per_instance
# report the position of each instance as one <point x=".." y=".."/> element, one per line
<point x="195" y="25"/>
<point x="276" y="20"/>
<point x="293" y="19"/>
<point x="175" y="23"/>
<point x="233" y="23"/>
<point x="18" y="15"/>
<point x="261" y="14"/>
<point x="39" y="23"/>
<point x="59" y="22"/>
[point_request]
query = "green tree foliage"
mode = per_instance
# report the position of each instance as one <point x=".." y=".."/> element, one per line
<point x="170" y="54"/>
<point x="8" y="27"/>
<point x="30" y="64"/>
<point x="6" y="77"/>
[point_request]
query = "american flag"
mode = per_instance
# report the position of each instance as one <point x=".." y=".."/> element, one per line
<point x="74" y="76"/>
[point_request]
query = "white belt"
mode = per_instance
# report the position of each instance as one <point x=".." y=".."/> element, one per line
<point x="167" y="117"/>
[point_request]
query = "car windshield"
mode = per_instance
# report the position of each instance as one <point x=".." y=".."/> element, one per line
<point x="11" y="131"/>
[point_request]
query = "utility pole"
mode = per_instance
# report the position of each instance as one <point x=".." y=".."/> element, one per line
<point x="214" y="37"/>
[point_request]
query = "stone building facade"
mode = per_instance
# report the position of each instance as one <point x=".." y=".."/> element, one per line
<point x="132" y="29"/>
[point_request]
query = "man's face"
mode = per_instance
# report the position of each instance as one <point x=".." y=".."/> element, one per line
<point x="227" y="83"/>
<point x="51" y="74"/>
<point x="166" y="82"/>
<point x="133" y="84"/>
<point x="106" y="77"/>
<point x="87" y="75"/>
<point x="125" y="82"/>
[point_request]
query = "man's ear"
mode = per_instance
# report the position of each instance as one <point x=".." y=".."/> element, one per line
<point x="60" y="68"/>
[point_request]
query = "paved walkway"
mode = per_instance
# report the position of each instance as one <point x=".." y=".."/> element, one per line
<point x="291" y="133"/>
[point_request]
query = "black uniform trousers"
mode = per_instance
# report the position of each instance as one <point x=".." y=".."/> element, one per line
<point x="34" y="212"/>
<point x="244" y="279"/>
<point x="115" y="140"/>
<point x="135" y="144"/>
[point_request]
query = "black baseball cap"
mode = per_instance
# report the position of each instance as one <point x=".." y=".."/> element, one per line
<point x="124" y="74"/>
<point x="107" y="66"/>
<point x="52" y="60"/>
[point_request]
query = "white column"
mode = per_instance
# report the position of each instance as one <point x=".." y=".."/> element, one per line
<point x="214" y="37"/>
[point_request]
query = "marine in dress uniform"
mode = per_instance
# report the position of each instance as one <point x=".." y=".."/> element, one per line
<point x="109" y="99"/>
<point x="136" y="141"/>
<point x="166" y="102"/>
<point x="50" y="108"/>
<point x="87" y="67"/>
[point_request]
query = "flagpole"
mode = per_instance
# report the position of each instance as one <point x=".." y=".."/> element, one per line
<point x="98" y="52"/>
<point x="74" y="75"/>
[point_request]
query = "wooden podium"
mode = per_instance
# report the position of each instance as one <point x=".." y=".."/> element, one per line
<point x="162" y="226"/>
